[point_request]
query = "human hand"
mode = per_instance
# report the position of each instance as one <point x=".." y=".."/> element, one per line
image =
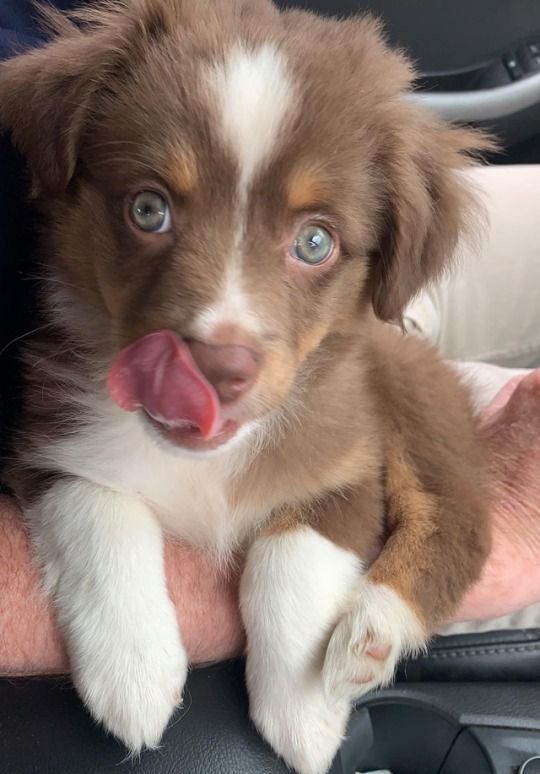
<point x="511" y="577"/>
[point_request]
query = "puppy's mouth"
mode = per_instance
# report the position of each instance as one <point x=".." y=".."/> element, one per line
<point x="158" y="375"/>
<point x="189" y="436"/>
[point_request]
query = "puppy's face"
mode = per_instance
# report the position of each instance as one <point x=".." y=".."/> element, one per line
<point x="229" y="187"/>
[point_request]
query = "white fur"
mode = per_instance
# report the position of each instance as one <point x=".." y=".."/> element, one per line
<point x="186" y="490"/>
<point x="298" y="592"/>
<point x="379" y="617"/>
<point x="294" y="589"/>
<point x="102" y="557"/>
<point x="231" y="307"/>
<point x="254" y="95"/>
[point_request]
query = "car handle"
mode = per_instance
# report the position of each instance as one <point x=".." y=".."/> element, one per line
<point x="484" y="104"/>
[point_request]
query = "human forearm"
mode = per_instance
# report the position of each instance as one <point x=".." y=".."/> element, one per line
<point x="29" y="640"/>
<point x="207" y="604"/>
<point x="31" y="644"/>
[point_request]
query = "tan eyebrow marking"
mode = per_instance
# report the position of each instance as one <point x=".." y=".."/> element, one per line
<point x="306" y="189"/>
<point x="183" y="173"/>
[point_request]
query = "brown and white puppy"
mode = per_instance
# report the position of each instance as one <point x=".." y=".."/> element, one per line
<point x="234" y="201"/>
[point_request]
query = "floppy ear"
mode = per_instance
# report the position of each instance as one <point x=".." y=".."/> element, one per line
<point x="44" y="95"/>
<point x="429" y="204"/>
<point x="47" y="94"/>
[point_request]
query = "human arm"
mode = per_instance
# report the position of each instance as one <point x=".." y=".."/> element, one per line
<point x="206" y="603"/>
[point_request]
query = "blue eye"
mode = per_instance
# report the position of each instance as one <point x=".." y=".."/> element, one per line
<point x="150" y="212"/>
<point x="313" y="244"/>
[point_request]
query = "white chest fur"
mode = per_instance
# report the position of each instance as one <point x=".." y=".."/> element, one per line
<point x="187" y="492"/>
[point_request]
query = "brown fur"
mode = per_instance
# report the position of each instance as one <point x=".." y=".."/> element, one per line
<point x="379" y="444"/>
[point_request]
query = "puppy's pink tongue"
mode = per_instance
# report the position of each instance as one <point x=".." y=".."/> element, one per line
<point x="157" y="373"/>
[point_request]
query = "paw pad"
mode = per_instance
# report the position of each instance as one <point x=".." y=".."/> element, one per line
<point x="379" y="652"/>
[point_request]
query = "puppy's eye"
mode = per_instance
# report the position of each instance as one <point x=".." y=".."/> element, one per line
<point x="150" y="212"/>
<point x="313" y="244"/>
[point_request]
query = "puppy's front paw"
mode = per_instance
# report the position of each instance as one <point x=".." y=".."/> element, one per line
<point x="368" y="643"/>
<point x="102" y="553"/>
<point x="131" y="679"/>
<point x="302" y="727"/>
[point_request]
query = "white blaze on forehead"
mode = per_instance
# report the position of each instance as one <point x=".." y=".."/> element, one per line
<point x="232" y="306"/>
<point x="254" y="95"/>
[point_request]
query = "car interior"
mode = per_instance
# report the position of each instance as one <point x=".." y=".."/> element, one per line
<point x="471" y="704"/>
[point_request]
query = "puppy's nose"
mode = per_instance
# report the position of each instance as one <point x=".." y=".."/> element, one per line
<point x="231" y="369"/>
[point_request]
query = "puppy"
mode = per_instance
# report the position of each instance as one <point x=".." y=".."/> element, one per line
<point x="234" y="202"/>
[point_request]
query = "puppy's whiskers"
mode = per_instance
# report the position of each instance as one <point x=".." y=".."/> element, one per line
<point x="24" y="336"/>
<point x="53" y="281"/>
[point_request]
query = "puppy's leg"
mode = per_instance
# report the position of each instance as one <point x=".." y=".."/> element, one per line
<point x="102" y="555"/>
<point x="295" y="586"/>
<point x="430" y="558"/>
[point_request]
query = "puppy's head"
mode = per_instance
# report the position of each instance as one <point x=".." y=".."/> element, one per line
<point x="227" y="186"/>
